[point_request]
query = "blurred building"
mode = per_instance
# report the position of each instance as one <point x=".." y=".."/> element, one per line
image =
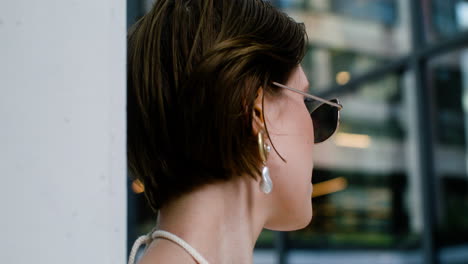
<point x="392" y="185"/>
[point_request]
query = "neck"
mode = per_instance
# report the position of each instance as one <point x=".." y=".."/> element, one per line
<point x="221" y="221"/>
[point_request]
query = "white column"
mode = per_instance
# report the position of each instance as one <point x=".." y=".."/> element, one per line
<point x="464" y="96"/>
<point x="62" y="131"/>
<point x="414" y="188"/>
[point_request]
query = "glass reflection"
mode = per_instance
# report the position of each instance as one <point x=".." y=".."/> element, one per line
<point x="449" y="82"/>
<point x="445" y="18"/>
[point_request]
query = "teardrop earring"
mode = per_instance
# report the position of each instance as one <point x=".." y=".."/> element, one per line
<point x="266" y="185"/>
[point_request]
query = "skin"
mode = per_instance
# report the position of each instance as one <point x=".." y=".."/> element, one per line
<point x="223" y="221"/>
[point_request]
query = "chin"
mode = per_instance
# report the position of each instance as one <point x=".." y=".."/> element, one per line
<point x="291" y="222"/>
<point x="296" y="225"/>
<point x="305" y="220"/>
<point x="305" y="216"/>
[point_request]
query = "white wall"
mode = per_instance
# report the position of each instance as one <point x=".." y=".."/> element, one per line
<point x="62" y="131"/>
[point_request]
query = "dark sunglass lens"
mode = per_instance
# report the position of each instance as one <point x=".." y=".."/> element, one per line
<point x="325" y="119"/>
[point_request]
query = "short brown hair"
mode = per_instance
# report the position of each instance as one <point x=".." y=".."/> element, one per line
<point x="194" y="70"/>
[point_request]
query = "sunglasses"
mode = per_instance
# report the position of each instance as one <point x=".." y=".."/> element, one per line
<point x="325" y="114"/>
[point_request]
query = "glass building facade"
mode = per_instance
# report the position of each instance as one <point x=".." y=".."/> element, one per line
<point x="392" y="185"/>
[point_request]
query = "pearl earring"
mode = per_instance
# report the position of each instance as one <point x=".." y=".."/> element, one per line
<point x="266" y="185"/>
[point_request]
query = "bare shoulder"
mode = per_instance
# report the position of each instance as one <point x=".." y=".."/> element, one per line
<point x="164" y="251"/>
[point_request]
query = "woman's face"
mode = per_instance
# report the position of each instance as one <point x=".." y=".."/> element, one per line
<point x="291" y="131"/>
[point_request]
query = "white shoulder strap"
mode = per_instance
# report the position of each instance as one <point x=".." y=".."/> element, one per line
<point x="164" y="234"/>
<point x="179" y="241"/>
<point x="141" y="240"/>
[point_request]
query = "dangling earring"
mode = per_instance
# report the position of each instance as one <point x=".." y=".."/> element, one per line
<point x="266" y="185"/>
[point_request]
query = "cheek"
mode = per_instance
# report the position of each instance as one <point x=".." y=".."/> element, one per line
<point x="300" y="139"/>
<point x="292" y="180"/>
<point x="300" y="154"/>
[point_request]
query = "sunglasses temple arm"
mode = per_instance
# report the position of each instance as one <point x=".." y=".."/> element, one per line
<point x="308" y="95"/>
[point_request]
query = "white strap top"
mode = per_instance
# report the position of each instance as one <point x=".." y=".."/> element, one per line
<point x="146" y="239"/>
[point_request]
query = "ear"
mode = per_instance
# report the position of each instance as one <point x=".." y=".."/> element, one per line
<point x="258" y="122"/>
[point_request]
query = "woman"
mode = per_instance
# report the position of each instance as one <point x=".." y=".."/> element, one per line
<point x="219" y="127"/>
